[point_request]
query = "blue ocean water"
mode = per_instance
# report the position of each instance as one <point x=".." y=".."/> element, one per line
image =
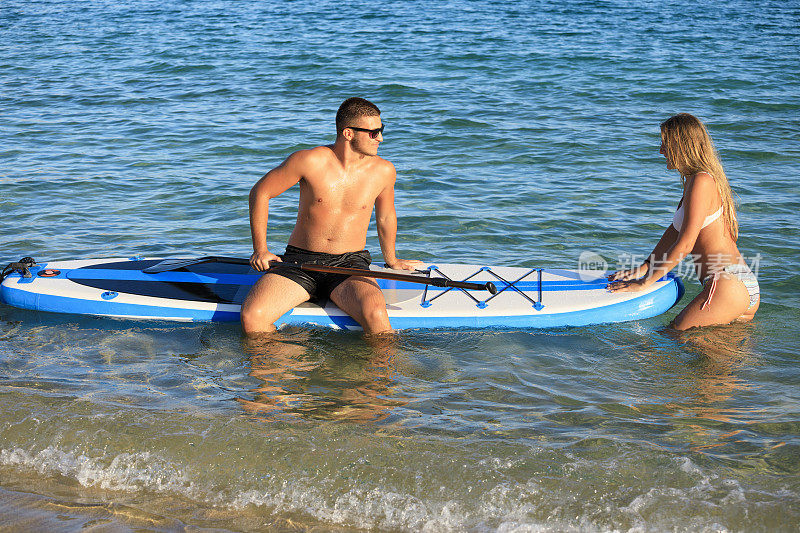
<point x="524" y="134"/>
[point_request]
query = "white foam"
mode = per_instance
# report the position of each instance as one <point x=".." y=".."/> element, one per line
<point x="507" y="507"/>
<point x="686" y="465"/>
<point x="361" y="508"/>
<point x="125" y="472"/>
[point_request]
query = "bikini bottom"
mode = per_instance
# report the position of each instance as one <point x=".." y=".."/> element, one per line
<point x="744" y="274"/>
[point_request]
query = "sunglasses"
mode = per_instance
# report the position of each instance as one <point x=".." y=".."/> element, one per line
<point x="373" y="134"/>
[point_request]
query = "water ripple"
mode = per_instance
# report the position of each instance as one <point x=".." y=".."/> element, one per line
<point x="522" y="135"/>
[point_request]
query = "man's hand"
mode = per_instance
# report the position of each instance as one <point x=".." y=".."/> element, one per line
<point x="405" y="264"/>
<point x="260" y="260"/>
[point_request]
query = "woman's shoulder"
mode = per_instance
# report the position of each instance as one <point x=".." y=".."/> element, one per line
<point x="702" y="182"/>
<point x="702" y="190"/>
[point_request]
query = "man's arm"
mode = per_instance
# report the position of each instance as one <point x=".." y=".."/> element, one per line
<point x="275" y="182"/>
<point x="386" y="222"/>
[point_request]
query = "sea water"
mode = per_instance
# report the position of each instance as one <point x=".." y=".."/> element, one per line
<point x="524" y="134"/>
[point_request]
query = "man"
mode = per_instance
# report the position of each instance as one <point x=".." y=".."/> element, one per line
<point x="339" y="184"/>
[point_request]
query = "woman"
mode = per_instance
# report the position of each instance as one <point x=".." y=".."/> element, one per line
<point x="704" y="225"/>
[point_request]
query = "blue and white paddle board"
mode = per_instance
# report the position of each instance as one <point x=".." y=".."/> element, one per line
<point x="526" y="297"/>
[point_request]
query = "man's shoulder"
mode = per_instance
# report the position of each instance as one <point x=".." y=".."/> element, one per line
<point x="310" y="159"/>
<point x="315" y="154"/>
<point x="384" y="166"/>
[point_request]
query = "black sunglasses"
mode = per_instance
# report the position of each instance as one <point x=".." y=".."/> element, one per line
<point x="373" y="134"/>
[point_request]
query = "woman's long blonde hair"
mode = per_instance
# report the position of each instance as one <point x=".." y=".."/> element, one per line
<point x="690" y="148"/>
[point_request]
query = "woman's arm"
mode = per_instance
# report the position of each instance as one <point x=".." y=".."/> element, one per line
<point x="669" y="236"/>
<point x="697" y="198"/>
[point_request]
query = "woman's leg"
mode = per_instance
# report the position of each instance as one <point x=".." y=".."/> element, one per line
<point x="729" y="302"/>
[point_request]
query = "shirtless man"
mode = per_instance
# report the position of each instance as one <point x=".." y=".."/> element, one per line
<point x="339" y="184"/>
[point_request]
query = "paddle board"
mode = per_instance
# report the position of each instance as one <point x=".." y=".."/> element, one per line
<point x="526" y="297"/>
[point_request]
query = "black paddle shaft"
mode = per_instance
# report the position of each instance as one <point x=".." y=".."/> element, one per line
<point x="175" y="264"/>
<point x="436" y="282"/>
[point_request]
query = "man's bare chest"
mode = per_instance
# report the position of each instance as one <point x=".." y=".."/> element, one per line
<point x="340" y="192"/>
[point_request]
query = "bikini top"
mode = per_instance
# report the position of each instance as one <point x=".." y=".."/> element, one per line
<point x="677" y="219"/>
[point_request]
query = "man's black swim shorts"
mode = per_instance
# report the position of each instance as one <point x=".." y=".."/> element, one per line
<point x="318" y="284"/>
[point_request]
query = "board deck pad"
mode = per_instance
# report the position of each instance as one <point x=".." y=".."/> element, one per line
<point x="214" y="291"/>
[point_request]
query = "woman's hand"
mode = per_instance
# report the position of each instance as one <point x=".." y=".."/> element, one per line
<point x="630" y="274"/>
<point x="627" y="286"/>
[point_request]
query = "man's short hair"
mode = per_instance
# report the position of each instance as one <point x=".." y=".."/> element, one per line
<point x="353" y="108"/>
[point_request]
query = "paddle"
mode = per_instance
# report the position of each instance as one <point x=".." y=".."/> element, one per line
<point x="436" y="282"/>
<point x="175" y="264"/>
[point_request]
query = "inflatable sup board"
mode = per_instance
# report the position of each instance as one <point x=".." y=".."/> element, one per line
<point x="197" y="289"/>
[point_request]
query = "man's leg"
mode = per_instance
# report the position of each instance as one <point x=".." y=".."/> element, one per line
<point x="268" y="300"/>
<point x="362" y="299"/>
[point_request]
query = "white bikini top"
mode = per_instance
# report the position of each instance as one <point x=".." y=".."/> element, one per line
<point x="677" y="219"/>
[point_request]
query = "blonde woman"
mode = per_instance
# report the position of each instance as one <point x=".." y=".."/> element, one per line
<point x="705" y="226"/>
